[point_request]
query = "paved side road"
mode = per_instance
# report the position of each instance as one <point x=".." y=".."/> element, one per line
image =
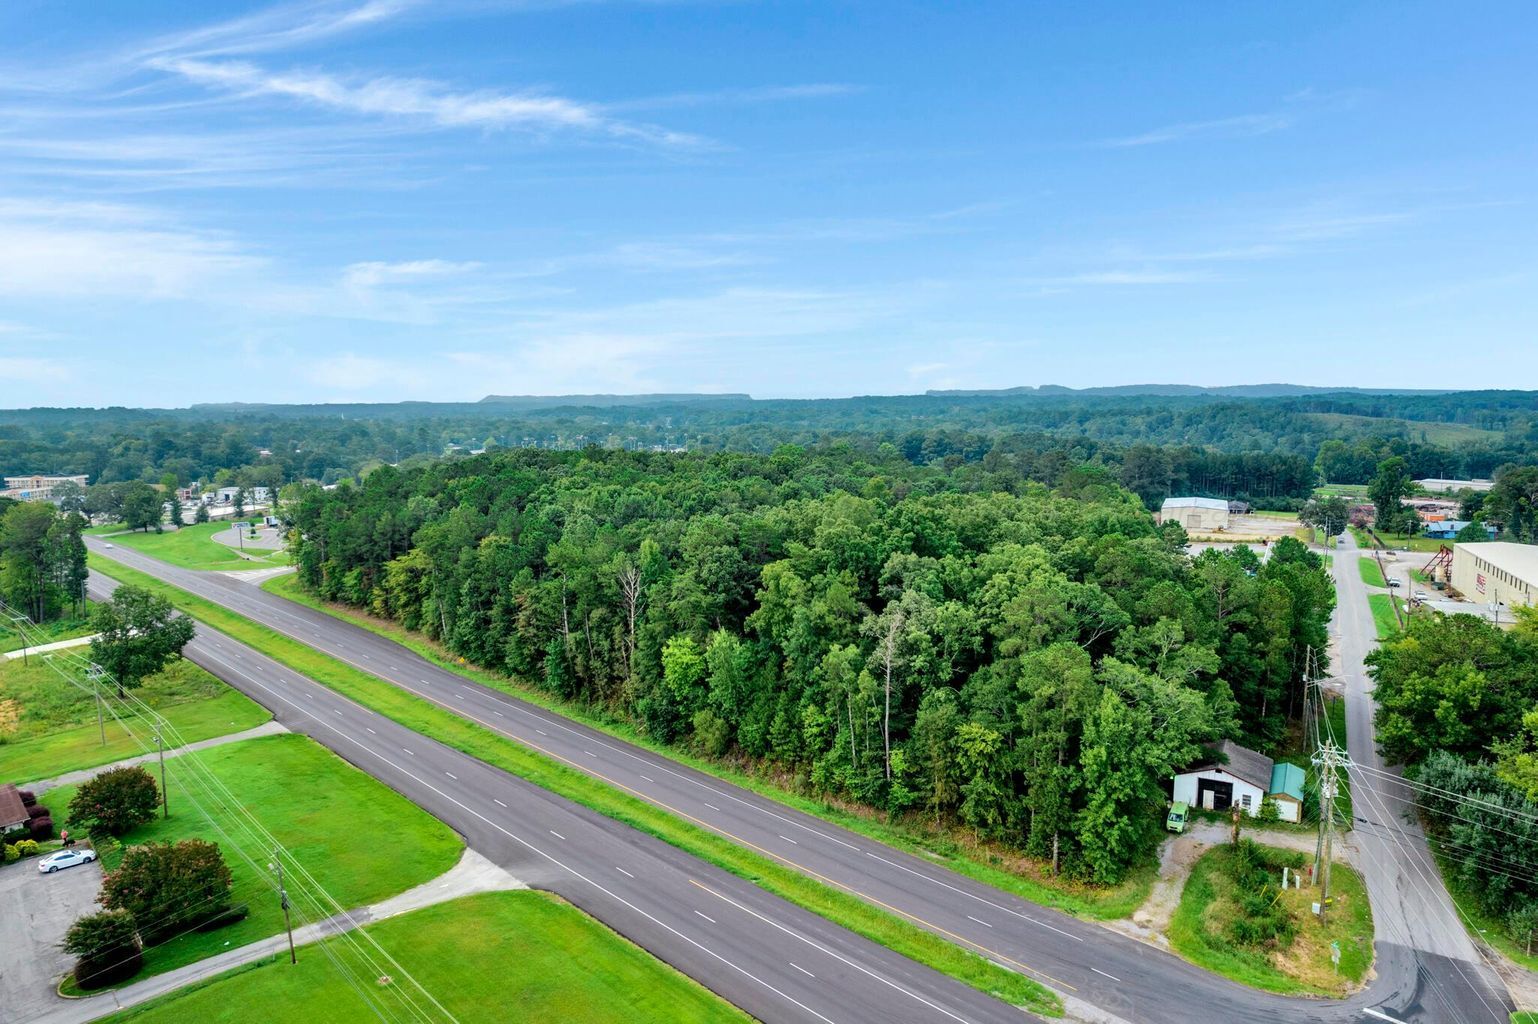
<point x="472" y="874"/>
<point x="70" y="778"/>
<point x="35" y="912"/>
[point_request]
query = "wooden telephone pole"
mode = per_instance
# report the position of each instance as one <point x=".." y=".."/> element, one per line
<point x="1328" y="761"/>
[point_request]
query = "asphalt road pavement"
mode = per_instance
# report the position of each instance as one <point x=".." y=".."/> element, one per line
<point x="1120" y="978"/>
<point x="761" y="953"/>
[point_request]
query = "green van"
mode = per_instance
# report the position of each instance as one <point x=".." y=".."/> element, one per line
<point x="1176" y="821"/>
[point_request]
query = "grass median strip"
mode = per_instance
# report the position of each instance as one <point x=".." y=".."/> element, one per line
<point x="1101" y="904"/>
<point x="838" y="906"/>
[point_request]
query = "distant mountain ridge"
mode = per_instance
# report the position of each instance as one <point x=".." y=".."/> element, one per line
<point x="1180" y="390"/>
<point x="600" y="401"/>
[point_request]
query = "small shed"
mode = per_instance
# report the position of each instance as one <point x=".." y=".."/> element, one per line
<point x="1231" y="776"/>
<point x="1286" y="791"/>
<point x="13" y="813"/>
<point x="1200" y="514"/>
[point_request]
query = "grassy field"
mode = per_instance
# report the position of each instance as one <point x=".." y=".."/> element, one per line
<point x="1208" y="903"/>
<point x="48" y="727"/>
<point x="360" y="840"/>
<point x="193" y="547"/>
<point x="1341" y="491"/>
<point x="66" y="628"/>
<point x="958" y="850"/>
<point x="506" y="956"/>
<point x="843" y="907"/>
<point x="1382" y="606"/>
<point x="1372" y="574"/>
<point x="1425" y="431"/>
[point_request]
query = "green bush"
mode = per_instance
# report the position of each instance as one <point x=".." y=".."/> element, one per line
<point x="11" y="856"/>
<point x="1265" y="922"/>
<point x="27" y="848"/>
<point x="106" y="946"/>
<point x="115" y="801"/>
<point x="169" y="885"/>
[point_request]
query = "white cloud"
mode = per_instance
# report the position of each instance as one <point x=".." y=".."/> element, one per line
<point x="31" y="370"/>
<point x="53" y="249"/>
<point x="276" y="28"/>
<point x="416" y="98"/>
<point x="373" y="274"/>
<point x="1242" y="127"/>
<point x="1132" y="277"/>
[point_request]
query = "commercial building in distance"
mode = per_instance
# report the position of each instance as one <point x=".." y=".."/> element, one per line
<point x="1201" y="514"/>
<point x="37" y="487"/>
<point x="1436" y="485"/>
<point x="1497" y="572"/>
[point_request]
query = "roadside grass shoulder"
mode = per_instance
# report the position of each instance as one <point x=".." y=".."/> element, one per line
<point x="1209" y="903"/>
<point x="528" y="953"/>
<point x="48" y="727"/>
<point x="996" y="866"/>
<point x="332" y="817"/>
<point x="194" y="547"/>
<point x="1383" y="619"/>
<point x="612" y="799"/>
<point x="1372" y="573"/>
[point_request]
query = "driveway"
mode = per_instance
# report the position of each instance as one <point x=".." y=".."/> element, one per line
<point x="37" y="910"/>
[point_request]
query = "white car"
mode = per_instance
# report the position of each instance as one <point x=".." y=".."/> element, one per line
<point x="106" y="545"/>
<point x="65" y="859"/>
<point x="1393" y="582"/>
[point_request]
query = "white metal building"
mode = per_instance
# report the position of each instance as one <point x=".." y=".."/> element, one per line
<point x="1236" y="776"/>
<point x="1497" y="572"/>
<point x="1200" y="514"/>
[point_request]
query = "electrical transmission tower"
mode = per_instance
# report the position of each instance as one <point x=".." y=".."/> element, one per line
<point x="1329" y="760"/>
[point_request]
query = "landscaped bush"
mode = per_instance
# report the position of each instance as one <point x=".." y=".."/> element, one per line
<point x="106" y="946"/>
<point x="169" y="885"/>
<point x="114" y="801"/>
<point x="41" y="828"/>
<point x="28" y="848"/>
<point x="10" y="854"/>
<point x="28" y="798"/>
<point x="37" y="811"/>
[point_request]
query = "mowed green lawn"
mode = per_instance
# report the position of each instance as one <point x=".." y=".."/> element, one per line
<point x="1372" y="573"/>
<point x="360" y="840"/>
<point x="48" y="726"/>
<point x="493" y="957"/>
<point x="1382" y="606"/>
<point x="193" y="547"/>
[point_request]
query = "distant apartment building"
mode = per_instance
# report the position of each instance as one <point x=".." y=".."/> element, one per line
<point x="37" y="487"/>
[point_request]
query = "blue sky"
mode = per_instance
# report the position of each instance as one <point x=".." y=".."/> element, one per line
<point x="383" y="200"/>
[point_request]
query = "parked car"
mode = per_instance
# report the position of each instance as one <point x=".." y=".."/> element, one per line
<point x="1176" y="820"/>
<point x="65" y="859"/>
<point x="1393" y="582"/>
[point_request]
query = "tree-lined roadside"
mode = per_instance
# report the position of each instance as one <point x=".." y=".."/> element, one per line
<point x="478" y="741"/>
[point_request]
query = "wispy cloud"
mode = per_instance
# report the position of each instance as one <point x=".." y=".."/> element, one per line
<point x="374" y="273"/>
<point x="1244" y="126"/>
<point x="280" y="27"/>
<point x="427" y="101"/>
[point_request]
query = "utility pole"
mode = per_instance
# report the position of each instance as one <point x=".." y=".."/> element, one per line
<point x="1328" y="760"/>
<point x="165" y="795"/>
<point x="95" y="673"/>
<point x="277" y="865"/>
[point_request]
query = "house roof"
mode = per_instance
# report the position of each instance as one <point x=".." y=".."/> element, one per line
<point x="1216" y="504"/>
<point x="1286" y="780"/>
<point x="1240" y="762"/>
<point x="12" y="811"/>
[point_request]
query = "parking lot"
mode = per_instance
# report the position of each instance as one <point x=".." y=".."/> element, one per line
<point x="37" y="910"/>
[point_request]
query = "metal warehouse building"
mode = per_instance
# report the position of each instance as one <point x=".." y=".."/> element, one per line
<point x="1496" y="572"/>
<point x="1195" y="513"/>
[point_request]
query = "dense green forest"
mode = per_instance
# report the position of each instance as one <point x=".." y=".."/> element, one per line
<point x="962" y="641"/>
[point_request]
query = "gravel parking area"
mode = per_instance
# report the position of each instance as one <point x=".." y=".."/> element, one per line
<point x="37" y="910"/>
